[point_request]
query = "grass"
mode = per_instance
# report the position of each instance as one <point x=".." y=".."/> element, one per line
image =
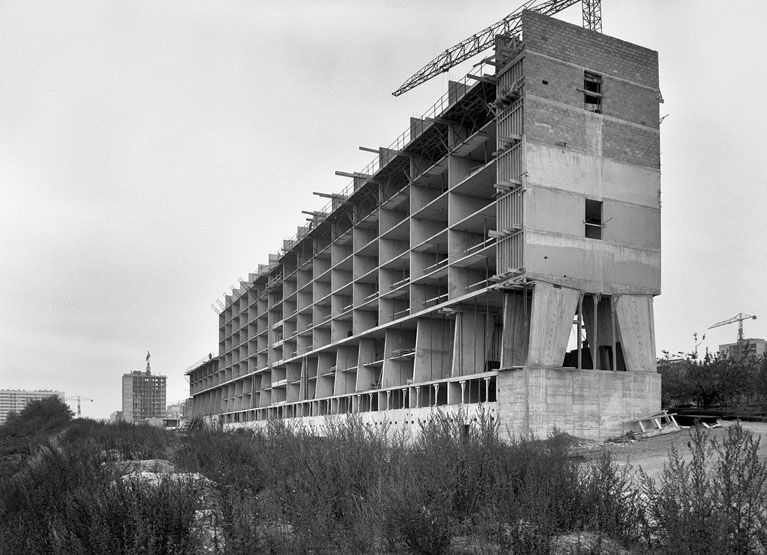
<point x="363" y="490"/>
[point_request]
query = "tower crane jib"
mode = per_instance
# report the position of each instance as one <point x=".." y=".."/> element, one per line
<point x="737" y="318"/>
<point x="508" y="26"/>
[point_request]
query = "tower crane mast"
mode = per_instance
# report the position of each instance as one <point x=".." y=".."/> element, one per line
<point x="737" y="318"/>
<point x="79" y="398"/>
<point x="508" y="26"/>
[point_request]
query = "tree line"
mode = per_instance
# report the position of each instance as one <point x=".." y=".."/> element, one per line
<point x="713" y="382"/>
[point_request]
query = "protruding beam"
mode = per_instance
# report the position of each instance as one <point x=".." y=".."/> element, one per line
<point x="353" y="175"/>
<point x="482" y="78"/>
<point x="333" y="196"/>
<point x="503" y="233"/>
<point x="509" y="185"/>
<point x="373" y="150"/>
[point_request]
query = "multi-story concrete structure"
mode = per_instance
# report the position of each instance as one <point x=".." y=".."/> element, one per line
<point x="517" y="219"/>
<point x="143" y="396"/>
<point x="14" y="400"/>
<point x="747" y="349"/>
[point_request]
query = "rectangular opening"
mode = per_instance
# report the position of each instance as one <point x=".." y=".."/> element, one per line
<point x="592" y="92"/>
<point x="593" y="219"/>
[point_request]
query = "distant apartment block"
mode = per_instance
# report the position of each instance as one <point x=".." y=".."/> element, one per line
<point x="745" y="350"/>
<point x="502" y="253"/>
<point x="14" y="400"/>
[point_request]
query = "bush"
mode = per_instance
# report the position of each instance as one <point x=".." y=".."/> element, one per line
<point x="360" y="489"/>
<point x="713" y="504"/>
<point x="128" y="516"/>
<point x="66" y="501"/>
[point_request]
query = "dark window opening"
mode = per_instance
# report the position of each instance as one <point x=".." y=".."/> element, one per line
<point x="593" y="219"/>
<point x="592" y="92"/>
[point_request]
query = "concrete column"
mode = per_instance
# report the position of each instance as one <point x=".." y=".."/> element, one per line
<point x="551" y="319"/>
<point x="516" y="329"/>
<point x="636" y="326"/>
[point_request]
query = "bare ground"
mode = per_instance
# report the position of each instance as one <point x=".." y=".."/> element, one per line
<point x="651" y="453"/>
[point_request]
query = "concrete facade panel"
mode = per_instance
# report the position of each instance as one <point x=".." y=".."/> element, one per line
<point x="591" y="264"/>
<point x="592" y="176"/>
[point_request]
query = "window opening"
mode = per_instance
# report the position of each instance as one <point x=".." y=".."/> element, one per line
<point x="593" y="219"/>
<point x="592" y="92"/>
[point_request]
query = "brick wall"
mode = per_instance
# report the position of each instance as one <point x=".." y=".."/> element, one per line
<point x="560" y="82"/>
<point x="606" y="55"/>
<point x="558" y="53"/>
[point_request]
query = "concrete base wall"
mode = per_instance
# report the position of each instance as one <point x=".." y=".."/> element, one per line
<point x="407" y="421"/>
<point x="533" y="402"/>
<point x="594" y="404"/>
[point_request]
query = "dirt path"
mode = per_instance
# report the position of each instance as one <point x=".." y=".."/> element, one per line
<point x="651" y="453"/>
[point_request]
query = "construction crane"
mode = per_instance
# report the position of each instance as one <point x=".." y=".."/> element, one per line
<point x="79" y="399"/>
<point x="737" y="318"/>
<point x="508" y="26"/>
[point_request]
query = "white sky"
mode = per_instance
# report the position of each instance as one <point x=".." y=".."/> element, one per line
<point x="152" y="152"/>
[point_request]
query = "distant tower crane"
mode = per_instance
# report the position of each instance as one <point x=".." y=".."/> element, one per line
<point x="696" y="343"/>
<point x="508" y="26"/>
<point x="79" y="399"/>
<point x="739" y="319"/>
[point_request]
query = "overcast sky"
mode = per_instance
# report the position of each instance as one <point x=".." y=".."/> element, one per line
<point x="153" y="152"/>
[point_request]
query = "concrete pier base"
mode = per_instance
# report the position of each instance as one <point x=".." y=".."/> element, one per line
<point x="593" y="404"/>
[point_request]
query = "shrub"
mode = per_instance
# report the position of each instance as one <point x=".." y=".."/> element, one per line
<point x="713" y="504"/>
<point x="361" y="489"/>
<point x="66" y="500"/>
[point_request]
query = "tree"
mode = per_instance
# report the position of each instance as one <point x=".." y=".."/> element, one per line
<point x="713" y="381"/>
<point x="39" y="416"/>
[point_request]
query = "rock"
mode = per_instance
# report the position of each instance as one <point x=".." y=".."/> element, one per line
<point x="147" y="465"/>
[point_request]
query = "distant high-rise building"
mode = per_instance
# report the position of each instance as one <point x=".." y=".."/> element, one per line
<point x="143" y="395"/>
<point x="748" y="349"/>
<point x="14" y="400"/>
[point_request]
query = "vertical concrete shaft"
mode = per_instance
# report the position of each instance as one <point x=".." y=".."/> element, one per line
<point x="473" y="335"/>
<point x="597" y="314"/>
<point x="433" y="349"/>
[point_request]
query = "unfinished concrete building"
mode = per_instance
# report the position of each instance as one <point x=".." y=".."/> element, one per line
<point x="504" y="252"/>
<point x="143" y="395"/>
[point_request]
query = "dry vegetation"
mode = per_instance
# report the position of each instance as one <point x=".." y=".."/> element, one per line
<point x="363" y="491"/>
